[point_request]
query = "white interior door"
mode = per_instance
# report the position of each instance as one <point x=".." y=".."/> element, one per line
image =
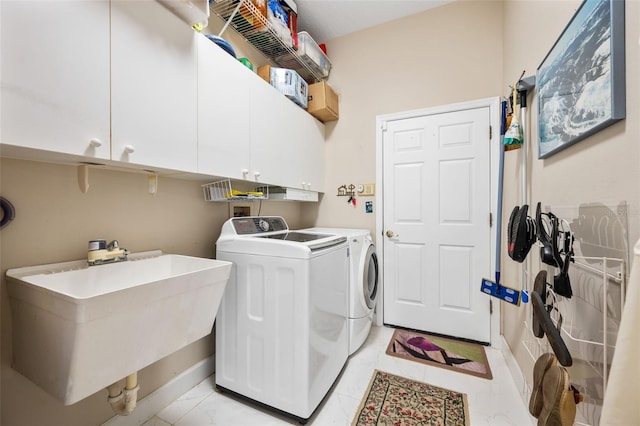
<point x="437" y="237"/>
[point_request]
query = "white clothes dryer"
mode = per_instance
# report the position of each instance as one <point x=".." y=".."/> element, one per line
<point x="364" y="280"/>
<point x="281" y="330"/>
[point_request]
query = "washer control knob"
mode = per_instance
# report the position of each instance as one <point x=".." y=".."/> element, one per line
<point x="264" y="225"/>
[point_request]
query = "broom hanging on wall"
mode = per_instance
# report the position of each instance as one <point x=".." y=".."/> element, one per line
<point x="494" y="288"/>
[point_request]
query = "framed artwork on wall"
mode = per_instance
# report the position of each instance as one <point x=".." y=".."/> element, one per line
<point x="581" y="81"/>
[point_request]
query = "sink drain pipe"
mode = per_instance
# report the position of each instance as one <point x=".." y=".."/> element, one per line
<point x="123" y="401"/>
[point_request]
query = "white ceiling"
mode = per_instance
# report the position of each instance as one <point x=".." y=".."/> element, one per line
<point x="327" y="19"/>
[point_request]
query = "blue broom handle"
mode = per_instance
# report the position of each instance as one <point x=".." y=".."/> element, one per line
<point x="503" y="125"/>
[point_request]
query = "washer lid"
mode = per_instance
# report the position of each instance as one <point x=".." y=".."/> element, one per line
<point x="279" y="247"/>
<point x="310" y="240"/>
<point x="270" y="236"/>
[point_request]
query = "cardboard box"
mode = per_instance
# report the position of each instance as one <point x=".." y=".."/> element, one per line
<point x="323" y="102"/>
<point x="288" y="82"/>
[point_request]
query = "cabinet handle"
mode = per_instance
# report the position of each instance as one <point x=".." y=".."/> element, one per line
<point x="95" y="143"/>
<point x="129" y="149"/>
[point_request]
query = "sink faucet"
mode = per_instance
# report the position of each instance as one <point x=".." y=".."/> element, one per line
<point x="100" y="252"/>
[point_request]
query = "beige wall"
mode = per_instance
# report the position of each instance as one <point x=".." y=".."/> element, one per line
<point x="445" y="55"/>
<point x="53" y="223"/>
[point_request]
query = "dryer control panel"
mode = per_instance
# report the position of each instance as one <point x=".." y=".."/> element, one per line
<point x="258" y="225"/>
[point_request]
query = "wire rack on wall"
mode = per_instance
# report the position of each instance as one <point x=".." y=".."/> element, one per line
<point x="590" y="322"/>
<point x="245" y="18"/>
<point x="222" y="190"/>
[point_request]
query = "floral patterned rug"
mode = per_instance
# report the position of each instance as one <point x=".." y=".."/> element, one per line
<point x="398" y="401"/>
<point x="463" y="357"/>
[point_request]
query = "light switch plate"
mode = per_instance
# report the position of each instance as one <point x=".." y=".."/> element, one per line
<point x="366" y="189"/>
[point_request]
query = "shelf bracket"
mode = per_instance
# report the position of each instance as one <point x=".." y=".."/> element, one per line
<point x="233" y="15"/>
<point x="83" y="178"/>
<point x="152" y="180"/>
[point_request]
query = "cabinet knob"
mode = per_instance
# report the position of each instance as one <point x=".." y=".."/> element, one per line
<point x="308" y="185"/>
<point x="245" y="172"/>
<point x="129" y="149"/>
<point x="256" y="174"/>
<point x="95" y="143"/>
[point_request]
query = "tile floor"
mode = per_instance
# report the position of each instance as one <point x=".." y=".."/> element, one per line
<point x="491" y="402"/>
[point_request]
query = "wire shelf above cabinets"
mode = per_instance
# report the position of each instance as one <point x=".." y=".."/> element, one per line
<point x="245" y="18"/>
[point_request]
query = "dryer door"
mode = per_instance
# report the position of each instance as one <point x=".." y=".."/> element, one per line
<point x="370" y="277"/>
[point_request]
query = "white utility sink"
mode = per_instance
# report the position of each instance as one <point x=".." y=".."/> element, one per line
<point x="78" y="329"/>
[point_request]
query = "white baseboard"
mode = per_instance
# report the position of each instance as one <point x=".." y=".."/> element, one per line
<point x="516" y="374"/>
<point x="151" y="404"/>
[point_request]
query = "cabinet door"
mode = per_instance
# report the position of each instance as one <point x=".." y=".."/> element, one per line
<point x="272" y="114"/>
<point x="223" y="113"/>
<point x="55" y="76"/>
<point x="154" y="87"/>
<point x="308" y="147"/>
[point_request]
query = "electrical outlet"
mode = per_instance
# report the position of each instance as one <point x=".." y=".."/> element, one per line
<point x="366" y="189"/>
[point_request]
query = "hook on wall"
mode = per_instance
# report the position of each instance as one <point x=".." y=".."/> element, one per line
<point x="346" y="190"/>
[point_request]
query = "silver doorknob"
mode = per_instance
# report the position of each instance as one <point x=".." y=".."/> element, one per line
<point x="391" y="234"/>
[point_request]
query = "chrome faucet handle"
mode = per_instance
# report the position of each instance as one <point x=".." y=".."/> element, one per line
<point x="113" y="245"/>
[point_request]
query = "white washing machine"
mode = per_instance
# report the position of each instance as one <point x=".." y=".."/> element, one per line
<point x="364" y="279"/>
<point x="281" y="330"/>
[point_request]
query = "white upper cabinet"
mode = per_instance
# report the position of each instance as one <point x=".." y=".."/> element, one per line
<point x="271" y="117"/>
<point x="307" y="144"/>
<point x="286" y="142"/>
<point x="224" y="146"/>
<point x="153" y="87"/>
<point x="55" y="76"/>
<point x="130" y="82"/>
<point x="248" y="130"/>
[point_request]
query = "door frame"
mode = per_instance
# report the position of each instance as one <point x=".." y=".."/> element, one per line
<point x="494" y="157"/>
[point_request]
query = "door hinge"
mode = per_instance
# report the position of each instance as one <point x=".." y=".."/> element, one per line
<point x="490" y="306"/>
<point x="490" y="220"/>
<point x="490" y="132"/>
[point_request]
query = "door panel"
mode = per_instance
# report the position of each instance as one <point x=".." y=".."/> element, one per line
<point x="435" y="216"/>
<point x="409" y="255"/>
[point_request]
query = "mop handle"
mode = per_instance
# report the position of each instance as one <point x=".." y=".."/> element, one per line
<point x="503" y="125"/>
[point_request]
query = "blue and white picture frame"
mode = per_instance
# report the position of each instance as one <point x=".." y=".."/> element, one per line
<point x="581" y="81"/>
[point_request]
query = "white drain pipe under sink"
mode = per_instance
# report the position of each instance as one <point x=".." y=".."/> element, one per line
<point x="123" y="401"/>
